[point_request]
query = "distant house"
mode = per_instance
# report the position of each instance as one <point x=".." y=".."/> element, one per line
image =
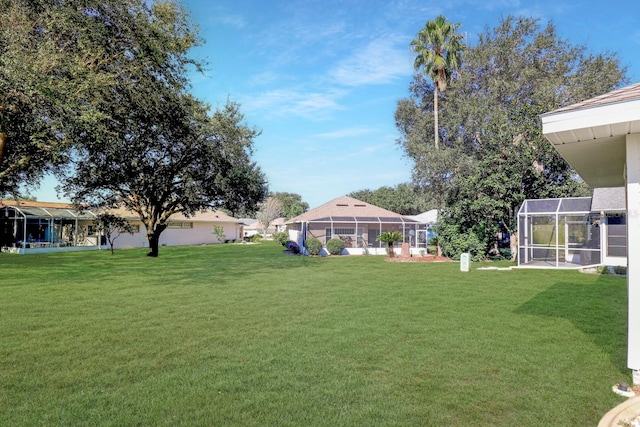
<point x="250" y="227"/>
<point x="32" y="227"/>
<point x="279" y="225"/>
<point x="181" y="230"/>
<point x="574" y="232"/>
<point x="253" y="227"/>
<point x="358" y="224"/>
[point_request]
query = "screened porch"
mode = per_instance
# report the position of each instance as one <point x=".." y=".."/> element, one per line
<point x="560" y="233"/>
<point x="360" y="233"/>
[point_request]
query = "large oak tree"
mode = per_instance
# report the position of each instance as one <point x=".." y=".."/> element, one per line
<point x="153" y="148"/>
<point x="185" y="163"/>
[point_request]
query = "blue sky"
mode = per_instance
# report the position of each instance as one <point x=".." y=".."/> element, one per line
<point x="321" y="78"/>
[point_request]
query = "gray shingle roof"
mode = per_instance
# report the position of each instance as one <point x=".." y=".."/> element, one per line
<point x="608" y="199"/>
<point x="345" y="206"/>
<point x="628" y="93"/>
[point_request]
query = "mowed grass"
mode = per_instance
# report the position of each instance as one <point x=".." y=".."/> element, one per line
<point x="244" y="335"/>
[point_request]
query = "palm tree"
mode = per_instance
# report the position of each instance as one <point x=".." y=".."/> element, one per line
<point x="390" y="237"/>
<point x="438" y="48"/>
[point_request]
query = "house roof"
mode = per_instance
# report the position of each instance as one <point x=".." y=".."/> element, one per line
<point x="34" y="209"/>
<point x="248" y="221"/>
<point x="206" y="216"/>
<point x="67" y="210"/>
<point x="608" y="199"/>
<point x="591" y="135"/>
<point x="628" y="93"/>
<point x="347" y="209"/>
<point x="36" y="204"/>
<point x="428" y="217"/>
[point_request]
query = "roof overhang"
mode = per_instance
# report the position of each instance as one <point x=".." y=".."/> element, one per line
<point x="593" y="139"/>
<point x="359" y="219"/>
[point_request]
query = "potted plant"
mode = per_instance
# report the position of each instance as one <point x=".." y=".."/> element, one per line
<point x="390" y="237"/>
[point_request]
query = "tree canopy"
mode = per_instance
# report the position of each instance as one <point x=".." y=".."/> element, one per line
<point x="51" y="70"/>
<point x="404" y="199"/>
<point x="493" y="154"/>
<point x="152" y="147"/>
<point x="292" y="204"/>
<point x="190" y="163"/>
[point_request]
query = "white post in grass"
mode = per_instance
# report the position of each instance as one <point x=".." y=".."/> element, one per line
<point x="465" y="260"/>
<point x="632" y="172"/>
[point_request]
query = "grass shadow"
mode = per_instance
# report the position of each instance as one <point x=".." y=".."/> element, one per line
<point x="597" y="308"/>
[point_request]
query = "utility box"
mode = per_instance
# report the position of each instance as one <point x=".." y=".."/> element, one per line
<point x="465" y="261"/>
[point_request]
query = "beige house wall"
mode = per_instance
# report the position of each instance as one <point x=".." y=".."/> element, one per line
<point x="199" y="234"/>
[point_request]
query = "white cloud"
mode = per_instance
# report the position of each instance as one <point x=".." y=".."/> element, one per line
<point x="236" y="21"/>
<point x="311" y="105"/>
<point x="379" y="62"/>
<point x="345" y="133"/>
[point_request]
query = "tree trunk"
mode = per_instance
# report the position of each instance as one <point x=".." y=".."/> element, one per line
<point x="513" y="243"/>
<point x="391" y="254"/>
<point x="435" y="115"/>
<point x="154" y="238"/>
<point x="3" y="142"/>
<point x="153" y="244"/>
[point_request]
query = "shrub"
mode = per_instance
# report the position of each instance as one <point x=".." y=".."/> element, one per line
<point x="313" y="245"/>
<point x="256" y="238"/>
<point x="281" y="237"/>
<point x="335" y="246"/>
<point x="618" y="269"/>
<point x="505" y="253"/>
<point x="218" y="231"/>
<point x="454" y="243"/>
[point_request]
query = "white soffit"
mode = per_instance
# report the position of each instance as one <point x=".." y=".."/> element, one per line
<point x="600" y="162"/>
<point x="593" y="139"/>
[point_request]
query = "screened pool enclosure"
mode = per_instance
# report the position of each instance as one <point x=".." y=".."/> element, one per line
<point x="43" y="228"/>
<point x="558" y="232"/>
<point x="568" y="233"/>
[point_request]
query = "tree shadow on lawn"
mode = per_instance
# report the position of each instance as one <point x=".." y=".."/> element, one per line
<point x="598" y="309"/>
<point x="220" y="264"/>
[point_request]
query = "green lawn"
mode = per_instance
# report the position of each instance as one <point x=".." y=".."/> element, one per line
<point x="244" y="335"/>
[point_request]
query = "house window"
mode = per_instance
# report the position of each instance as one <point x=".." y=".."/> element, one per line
<point x="616" y="235"/>
<point x="344" y="231"/>
<point x="134" y="228"/>
<point x="180" y="225"/>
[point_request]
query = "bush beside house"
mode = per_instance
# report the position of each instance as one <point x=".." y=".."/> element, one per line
<point x="313" y="245"/>
<point x="335" y="246"/>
